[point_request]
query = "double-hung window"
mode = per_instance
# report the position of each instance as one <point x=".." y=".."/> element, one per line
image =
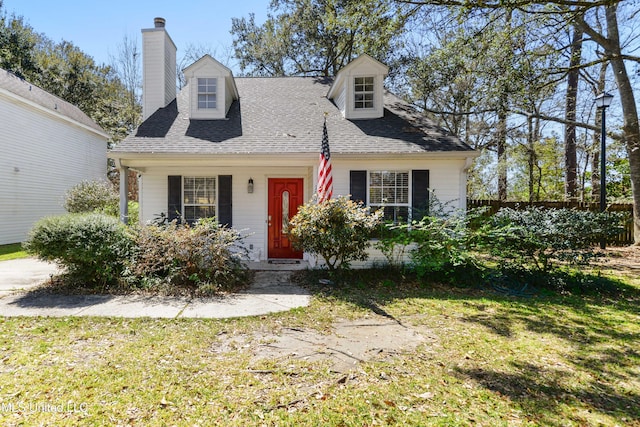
<point x="207" y="93"/>
<point x="200" y="198"/>
<point x="389" y="190"/>
<point x="363" y="92"/>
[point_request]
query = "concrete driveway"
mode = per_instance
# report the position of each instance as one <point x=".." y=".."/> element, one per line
<point x="24" y="274"/>
<point x="271" y="291"/>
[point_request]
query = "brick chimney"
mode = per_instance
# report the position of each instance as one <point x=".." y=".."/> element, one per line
<point x="158" y="68"/>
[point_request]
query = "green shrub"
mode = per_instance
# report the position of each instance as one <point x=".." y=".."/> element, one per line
<point x="438" y="243"/>
<point x="91" y="196"/>
<point x="134" y="211"/>
<point x="338" y="230"/>
<point x="543" y="237"/>
<point x="441" y="244"/>
<point x="394" y="241"/>
<point x="205" y="256"/>
<point x="94" y="248"/>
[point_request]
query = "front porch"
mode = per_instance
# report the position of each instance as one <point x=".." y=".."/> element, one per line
<point x="279" y="265"/>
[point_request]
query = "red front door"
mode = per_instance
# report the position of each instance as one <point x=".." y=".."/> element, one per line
<point x="285" y="196"/>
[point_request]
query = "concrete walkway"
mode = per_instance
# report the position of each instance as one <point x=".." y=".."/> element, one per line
<point x="272" y="291"/>
<point x="24" y="273"/>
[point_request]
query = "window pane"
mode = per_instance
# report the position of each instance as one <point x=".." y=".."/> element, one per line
<point x="368" y="84"/>
<point x="375" y="178"/>
<point x="207" y="93"/>
<point x="389" y="179"/>
<point x="402" y="195"/>
<point x="363" y="92"/>
<point x="206" y="85"/>
<point x="375" y="195"/>
<point x="402" y="214"/>
<point x="402" y="179"/>
<point x="188" y="190"/>
<point x="390" y="190"/>
<point x="389" y="195"/>
<point x="194" y="213"/>
<point x="199" y="197"/>
<point x="207" y="101"/>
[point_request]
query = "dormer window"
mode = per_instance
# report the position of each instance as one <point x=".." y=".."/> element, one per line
<point x="211" y="88"/>
<point x="357" y="89"/>
<point x="363" y="92"/>
<point x="207" y="93"/>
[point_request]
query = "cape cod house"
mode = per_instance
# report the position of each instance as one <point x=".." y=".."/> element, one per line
<point x="246" y="150"/>
<point x="48" y="146"/>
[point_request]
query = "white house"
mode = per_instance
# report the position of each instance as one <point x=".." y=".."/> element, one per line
<point x="47" y="146"/>
<point x="246" y="150"/>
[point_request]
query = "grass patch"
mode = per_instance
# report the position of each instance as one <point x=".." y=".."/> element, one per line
<point x="488" y="358"/>
<point x="12" y="251"/>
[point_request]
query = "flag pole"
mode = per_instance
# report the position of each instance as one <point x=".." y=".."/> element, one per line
<point x="325" y="178"/>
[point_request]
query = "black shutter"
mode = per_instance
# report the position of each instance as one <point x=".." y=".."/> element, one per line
<point x="358" y="186"/>
<point x="419" y="193"/>
<point x="174" y="209"/>
<point x="224" y="200"/>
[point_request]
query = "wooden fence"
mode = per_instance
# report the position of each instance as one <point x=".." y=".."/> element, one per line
<point x="625" y="238"/>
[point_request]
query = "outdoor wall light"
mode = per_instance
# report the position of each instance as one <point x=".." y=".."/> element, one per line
<point x="250" y="186"/>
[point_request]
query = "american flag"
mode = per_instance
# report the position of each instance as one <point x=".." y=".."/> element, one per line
<point x="325" y="180"/>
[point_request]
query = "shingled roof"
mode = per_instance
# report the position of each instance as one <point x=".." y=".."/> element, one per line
<point x="30" y="92"/>
<point x="285" y="115"/>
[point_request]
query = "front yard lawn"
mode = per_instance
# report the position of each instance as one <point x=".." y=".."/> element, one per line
<point x="12" y="251"/>
<point x="482" y="358"/>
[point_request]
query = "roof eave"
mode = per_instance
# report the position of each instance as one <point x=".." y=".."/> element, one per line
<point x="95" y="130"/>
<point x="458" y="154"/>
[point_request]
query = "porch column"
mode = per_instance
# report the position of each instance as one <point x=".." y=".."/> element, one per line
<point x="124" y="194"/>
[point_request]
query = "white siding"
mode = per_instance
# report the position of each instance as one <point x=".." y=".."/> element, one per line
<point x="228" y="94"/>
<point x="250" y="210"/>
<point x="340" y="100"/>
<point x="158" y="71"/>
<point x="42" y="157"/>
<point x="170" y="71"/>
<point x="444" y="175"/>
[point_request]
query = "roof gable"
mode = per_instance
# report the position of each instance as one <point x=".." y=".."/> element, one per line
<point x="363" y="64"/>
<point x="207" y="65"/>
<point x="33" y="94"/>
<point x="358" y="89"/>
<point x="207" y="62"/>
<point x="224" y="88"/>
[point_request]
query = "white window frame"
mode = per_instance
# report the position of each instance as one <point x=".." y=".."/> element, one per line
<point x="213" y="204"/>
<point x="208" y="89"/>
<point x="395" y="187"/>
<point x="360" y="85"/>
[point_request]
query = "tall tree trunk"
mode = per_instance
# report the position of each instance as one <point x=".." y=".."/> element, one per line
<point x="531" y="156"/>
<point x="630" y="126"/>
<point x="501" y="147"/>
<point x="570" y="157"/>
<point x="503" y="108"/>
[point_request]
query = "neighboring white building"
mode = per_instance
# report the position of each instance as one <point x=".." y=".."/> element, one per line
<point x="246" y="150"/>
<point x="46" y="147"/>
